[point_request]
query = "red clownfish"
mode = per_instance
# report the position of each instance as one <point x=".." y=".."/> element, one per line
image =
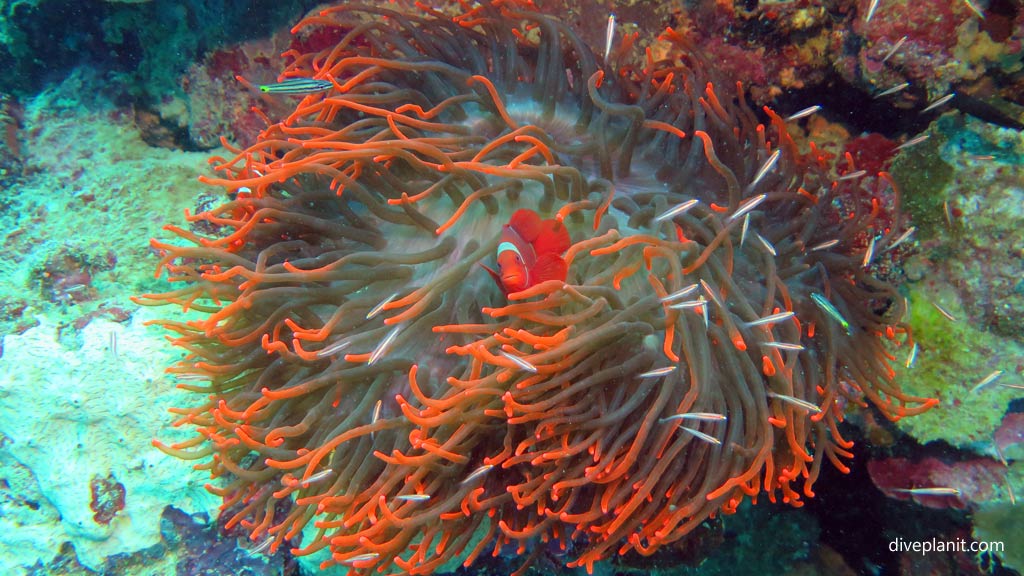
<point x="530" y="252"/>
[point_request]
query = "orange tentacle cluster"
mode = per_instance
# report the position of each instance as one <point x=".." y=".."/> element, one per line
<point x="697" y="354"/>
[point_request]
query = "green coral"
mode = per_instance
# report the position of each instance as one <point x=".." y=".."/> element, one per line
<point x="980" y="139"/>
<point x="952" y="358"/>
<point x="932" y="172"/>
<point x="922" y="175"/>
<point x="1000" y="520"/>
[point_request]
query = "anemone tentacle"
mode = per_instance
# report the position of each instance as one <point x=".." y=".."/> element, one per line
<point x="397" y="426"/>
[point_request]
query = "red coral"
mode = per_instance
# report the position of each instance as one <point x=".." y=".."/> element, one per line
<point x="66" y="277"/>
<point x="872" y="152"/>
<point x="115" y="313"/>
<point x="736" y="62"/>
<point x="11" y="121"/>
<point x="107" y="498"/>
<point x="930" y="25"/>
<point x="926" y="56"/>
<point x="977" y="480"/>
<point x="219" y="104"/>
<point x="311" y="40"/>
<point x="1011" y="431"/>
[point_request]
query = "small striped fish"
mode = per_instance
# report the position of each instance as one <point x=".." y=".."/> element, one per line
<point x="297" y="86"/>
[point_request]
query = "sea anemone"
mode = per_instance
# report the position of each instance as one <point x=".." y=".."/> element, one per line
<point x="365" y="377"/>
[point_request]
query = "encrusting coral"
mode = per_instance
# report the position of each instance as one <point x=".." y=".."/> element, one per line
<point x="364" y="374"/>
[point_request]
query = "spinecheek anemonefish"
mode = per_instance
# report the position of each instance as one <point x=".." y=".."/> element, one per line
<point x="530" y="252"/>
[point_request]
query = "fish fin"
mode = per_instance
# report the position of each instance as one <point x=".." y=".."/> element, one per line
<point x="549" y="266"/>
<point x="495" y="276"/>
<point x="526" y="223"/>
<point x="553" y="238"/>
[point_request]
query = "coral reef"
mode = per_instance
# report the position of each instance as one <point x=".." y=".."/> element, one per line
<point x="72" y="465"/>
<point x="963" y="285"/>
<point x="999" y="520"/>
<point x="81" y="389"/>
<point x="964" y="194"/>
<point x="221" y="99"/>
<point x="1009" y="437"/>
<point x="933" y="47"/>
<point x="952" y="358"/>
<point x="975" y="481"/>
<point x="100" y="98"/>
<point x="188" y="545"/>
<point x="118" y="37"/>
<point x="11" y="155"/>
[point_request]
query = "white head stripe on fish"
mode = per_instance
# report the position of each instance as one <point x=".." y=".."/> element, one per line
<point x="506" y="246"/>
